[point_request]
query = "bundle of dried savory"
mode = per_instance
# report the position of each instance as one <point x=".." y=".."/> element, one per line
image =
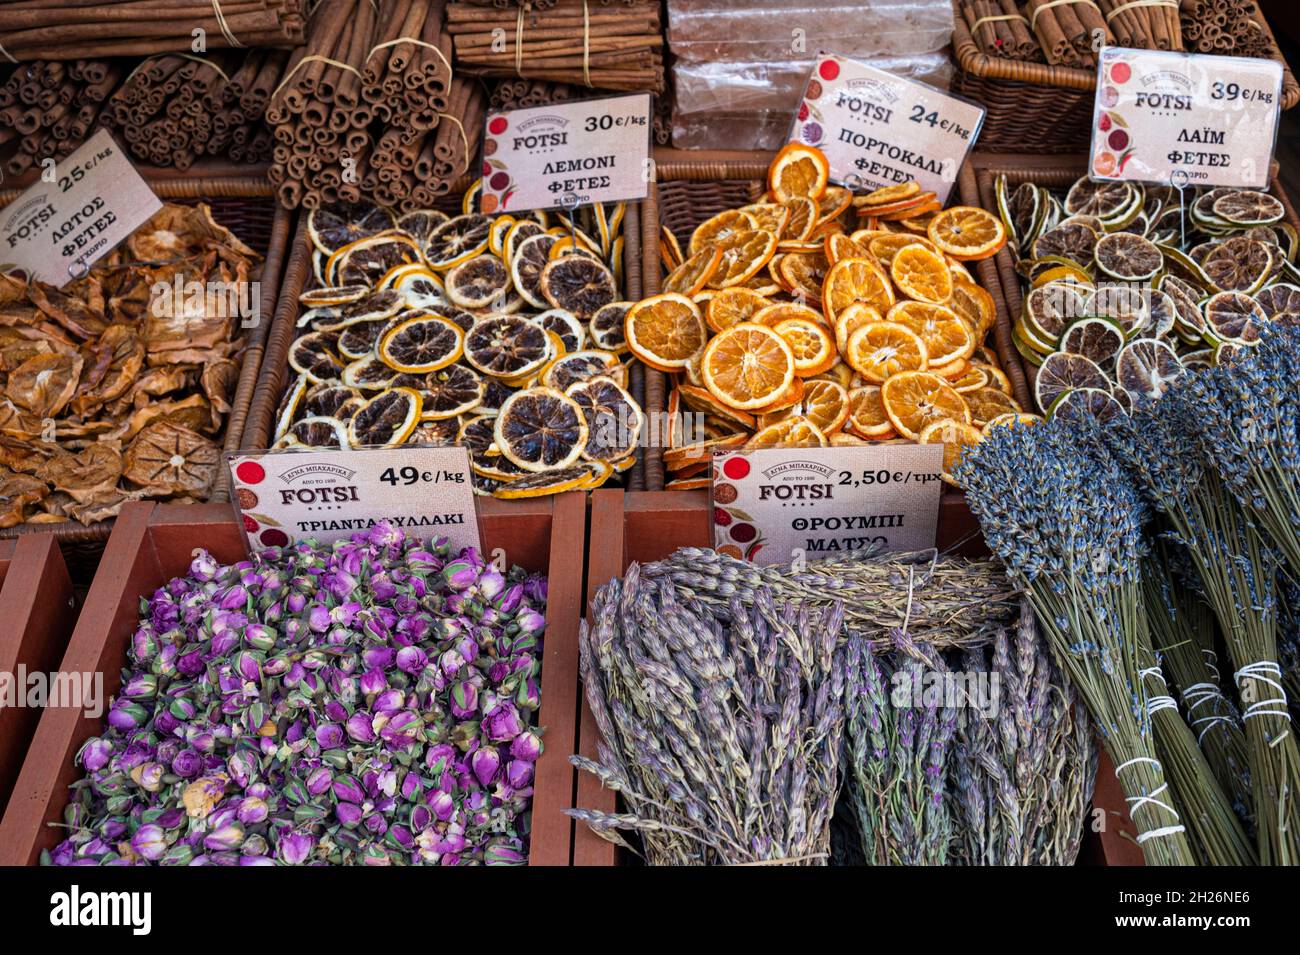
<point x="1021" y="772"/>
<point x="114" y="387"/>
<point x="722" y="724"/>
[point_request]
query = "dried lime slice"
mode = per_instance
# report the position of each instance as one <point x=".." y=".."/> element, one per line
<point x="1070" y="240"/>
<point x="1234" y="317"/>
<point x="1240" y="264"/>
<point x="1146" y="368"/>
<point x="1246" y="207"/>
<point x="1086" y="404"/>
<point x="1098" y="339"/>
<point x="1061" y="372"/>
<point x="1129" y="257"/>
<point x="1050" y="308"/>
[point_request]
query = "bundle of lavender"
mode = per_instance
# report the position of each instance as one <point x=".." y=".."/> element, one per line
<point x="1164" y="445"/>
<point x="1069" y="527"/>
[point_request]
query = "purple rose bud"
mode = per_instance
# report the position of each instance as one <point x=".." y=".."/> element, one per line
<point x="439" y="758"/>
<point x="149" y="842"/>
<point x="527" y="746"/>
<point x="411" y="659"/>
<point x="259" y="637"/>
<point x="485" y="762"/>
<point x="373" y="681"/>
<point x="360" y="728"/>
<point x="171" y="818"/>
<point x="295" y="847"/>
<point x="464" y="700"/>
<point x="509" y="599"/>
<point x="401" y="729"/>
<point x="491" y="583"/>
<point x="348" y="813"/>
<point x="467" y="648"/>
<point x="348" y="789"/>
<point x="336" y="711"/>
<point x="253" y="810"/>
<point x="235" y="598"/>
<point x="187" y="763"/>
<point x="376" y="825"/>
<point x="460" y="574"/>
<point x="518" y="773"/>
<point x="203" y="567"/>
<point x="318" y="618"/>
<point x="190" y="664"/>
<point x="223" y="838"/>
<point x="530" y="621"/>
<point x="329" y="735"/>
<point x="501" y="854"/>
<point x="95" y="754"/>
<point x="126" y="716"/>
<point x="529" y="694"/>
<point x="143" y="645"/>
<point x="295" y="603"/>
<point x="390" y="701"/>
<point x="378" y="658"/>
<point x="319" y="780"/>
<point x="443" y="805"/>
<point x="502" y="723"/>
<point x="450" y="662"/>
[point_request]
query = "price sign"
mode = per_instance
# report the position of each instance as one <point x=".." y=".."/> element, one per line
<point x="76" y="214"/>
<point x="1158" y="117"/>
<point x="329" y="495"/>
<point x="566" y="154"/>
<point x="773" y="506"/>
<point x="878" y="129"/>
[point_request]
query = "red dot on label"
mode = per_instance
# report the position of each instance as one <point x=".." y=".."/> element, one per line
<point x="743" y="533"/>
<point x="499" y="181"/>
<point x="250" y="525"/>
<point x="498" y="125"/>
<point x="1121" y="73"/>
<point x="803" y="112"/>
<point x="274" y="537"/>
<point x="487" y="169"/>
<point x="829" y="70"/>
<point x="250" y="472"/>
<point x="736" y="468"/>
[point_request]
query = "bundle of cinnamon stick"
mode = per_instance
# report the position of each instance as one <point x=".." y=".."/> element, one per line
<point x="48" y="108"/>
<point x="1227" y="27"/>
<point x="1001" y="30"/>
<point x="79" y="29"/>
<point x="175" y="109"/>
<point x="368" y="107"/>
<point x="1152" y="25"/>
<point x="613" y="47"/>
<point x="1071" y="34"/>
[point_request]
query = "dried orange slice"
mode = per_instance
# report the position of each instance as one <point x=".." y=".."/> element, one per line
<point x="914" y="399"/>
<point x="743" y="255"/>
<point x="421" y="344"/>
<point x="694" y="273"/>
<point x="887" y="195"/>
<point x="885" y="247"/>
<point x="967" y="233"/>
<point x="803" y="274"/>
<point x="798" y="170"/>
<point x="789" y="433"/>
<point x="842" y="439"/>
<point x="840" y="246"/>
<point x="834" y="201"/>
<point x="507" y="346"/>
<point x="728" y="306"/>
<point x="669" y="249"/>
<point x="823" y="403"/>
<point x="855" y="280"/>
<point x="867" y="416"/>
<point x="850" y="320"/>
<point x="947" y="338"/>
<point x="386" y="420"/>
<point x="880" y="350"/>
<point x="777" y="312"/>
<point x="700" y="399"/>
<point x="539" y="429"/>
<point x="988" y="403"/>
<point x="719" y="227"/>
<point x="799" y="223"/>
<point x="747" y="366"/>
<point x="768" y="215"/>
<point x="788" y="398"/>
<point x="665" y="331"/>
<point x="678" y="459"/>
<point x="921" y="274"/>
<point x="956" y="437"/>
<point x="810" y="342"/>
<point x="975" y="305"/>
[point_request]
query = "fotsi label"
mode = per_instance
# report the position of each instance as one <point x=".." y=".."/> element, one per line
<point x="775" y="506"/>
<point x="1184" y="118"/>
<point x="566" y="154"/>
<point x="878" y="129"/>
<point x="77" y="213"/>
<point x="287" y="496"/>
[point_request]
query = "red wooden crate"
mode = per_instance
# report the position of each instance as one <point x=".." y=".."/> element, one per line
<point x="37" y="610"/>
<point x="152" y="543"/>
<point x="650" y="526"/>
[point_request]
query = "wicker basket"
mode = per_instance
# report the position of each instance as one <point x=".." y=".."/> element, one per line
<point x="298" y="276"/>
<point x="1036" y="108"/>
<point x="1055" y="173"/>
<point x="690" y="191"/>
<point x="247" y="207"/>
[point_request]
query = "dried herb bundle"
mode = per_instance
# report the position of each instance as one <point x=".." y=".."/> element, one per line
<point x="954" y="602"/>
<point x="1021" y="781"/>
<point x="722" y="723"/>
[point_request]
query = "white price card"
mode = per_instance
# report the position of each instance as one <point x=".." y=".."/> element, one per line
<point x="329" y="495"/>
<point x="1185" y="119"/>
<point x="566" y="154"/>
<point x="878" y="129"/>
<point x="774" y="506"/>
<point x="75" y="214"/>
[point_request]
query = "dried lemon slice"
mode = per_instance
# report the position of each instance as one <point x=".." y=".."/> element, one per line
<point x="507" y="346"/>
<point x="613" y="417"/>
<point x="290" y="404"/>
<point x="343" y="295"/>
<point x="320" y="431"/>
<point x="457" y="240"/>
<point x="531" y="256"/>
<point x="312" y="355"/>
<point x="449" y="392"/>
<point x="386" y="420"/>
<point x="330" y="229"/>
<point x="575" y="478"/>
<point x="478" y="282"/>
<point x="606" y="327"/>
<point x="368" y="374"/>
<point x="328" y="400"/>
<point x="420" y="223"/>
<point x="539" y="429"/>
<point x="422" y="344"/>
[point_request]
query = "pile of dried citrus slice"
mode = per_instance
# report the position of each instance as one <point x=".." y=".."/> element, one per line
<point x="1126" y="287"/>
<point x="814" y="317"/>
<point x="500" y="334"/>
